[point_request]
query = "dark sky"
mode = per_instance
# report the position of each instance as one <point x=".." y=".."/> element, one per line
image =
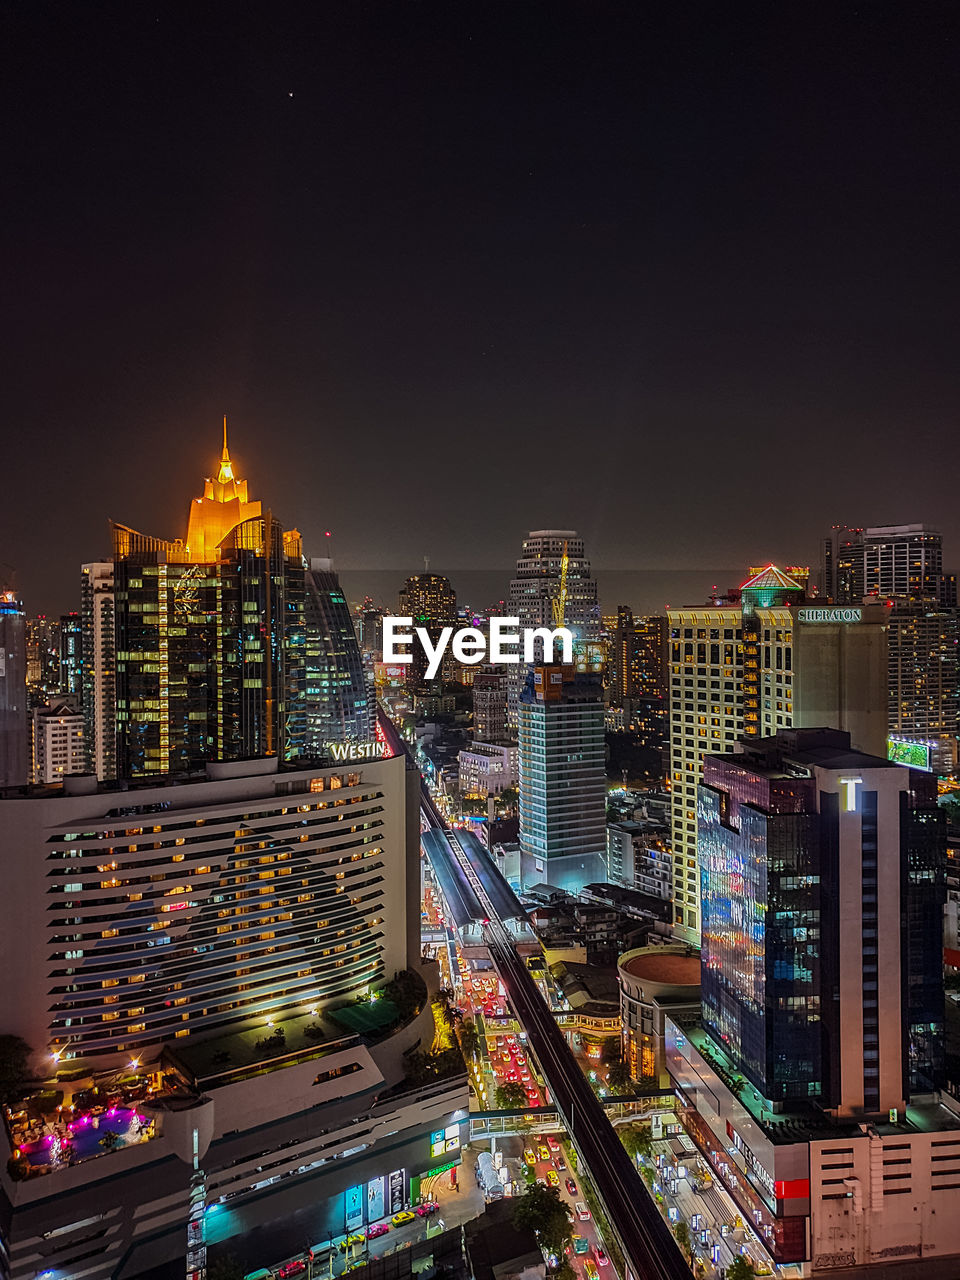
<point x="684" y="277"/>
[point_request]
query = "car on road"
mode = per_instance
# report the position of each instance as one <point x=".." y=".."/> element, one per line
<point x="582" y="1212"/>
<point x="560" y="1163"/>
<point x="553" y="1178"/>
<point x="543" y="1152"/>
<point x="581" y="1244"/>
<point x="552" y="1143"/>
<point x="590" y="1269"/>
<point x="425" y="1210"/>
<point x="601" y="1256"/>
<point x="530" y="1157"/>
<point x="571" y="1186"/>
<point x="405" y="1215"/>
<point x="351" y="1240"/>
<point x="378" y="1229"/>
<point x="291" y="1269"/>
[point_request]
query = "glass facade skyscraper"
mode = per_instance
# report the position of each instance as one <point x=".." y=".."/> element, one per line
<point x="339" y="706"/>
<point x="562" y="780"/>
<point x="822" y="890"/>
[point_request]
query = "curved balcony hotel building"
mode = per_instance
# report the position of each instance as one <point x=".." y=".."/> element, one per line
<point x="175" y="910"/>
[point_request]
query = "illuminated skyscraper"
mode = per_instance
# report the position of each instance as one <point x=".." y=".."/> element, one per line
<point x="210" y="637"/>
<point x="925" y="681"/>
<point x="749" y="669"/>
<point x="430" y="600"/>
<point x="71" y="655"/>
<point x="490" y="686"/>
<point x="339" y="706"/>
<point x="563" y="836"/>
<point x="14" y="740"/>
<point x="823" y="891"/>
<point x="888" y="560"/>
<point x="552" y="565"/>
<point x="98" y="629"/>
<point x="43" y="659"/>
<point x="638" y="675"/>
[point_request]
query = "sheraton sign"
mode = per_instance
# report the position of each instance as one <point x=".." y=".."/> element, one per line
<point x="829" y="615"/>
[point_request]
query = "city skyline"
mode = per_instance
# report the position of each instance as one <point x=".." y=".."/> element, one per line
<point x="647" y="589"/>
<point x="480" y="642"/>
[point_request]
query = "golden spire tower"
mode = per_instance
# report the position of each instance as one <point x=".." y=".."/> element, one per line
<point x="223" y="506"/>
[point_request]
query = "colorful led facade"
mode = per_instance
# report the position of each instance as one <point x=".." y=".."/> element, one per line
<point x="822" y="890"/>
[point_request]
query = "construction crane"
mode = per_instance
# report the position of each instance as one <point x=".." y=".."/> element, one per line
<point x="560" y="599"/>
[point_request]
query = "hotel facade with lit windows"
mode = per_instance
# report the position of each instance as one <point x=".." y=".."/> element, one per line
<point x="188" y="908"/>
<point x="749" y="668"/>
<point x="212" y="934"/>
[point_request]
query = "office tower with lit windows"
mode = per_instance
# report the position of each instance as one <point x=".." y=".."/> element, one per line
<point x="14" y="732"/>
<point x="71" y="655"/>
<point x="751" y="668"/>
<point x="43" y="659"/>
<point x="903" y="560"/>
<point x="813" y="1083"/>
<point x="823" y="884"/>
<point x="490" y="689"/>
<point x="553" y="564"/>
<point x="210" y="637"/>
<point x="924" y="705"/>
<point x="98" y="622"/>
<point x="430" y="600"/>
<point x="638" y="675"/>
<point x="339" y="706"/>
<point x="562" y="781"/>
<point x="57" y="741"/>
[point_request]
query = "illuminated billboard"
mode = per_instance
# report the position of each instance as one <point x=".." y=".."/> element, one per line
<point x="443" y="1141"/>
<point x="912" y="752"/>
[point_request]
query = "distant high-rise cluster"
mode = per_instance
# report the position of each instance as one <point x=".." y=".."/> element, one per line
<point x="887" y="560"/>
<point x="903" y="566"/>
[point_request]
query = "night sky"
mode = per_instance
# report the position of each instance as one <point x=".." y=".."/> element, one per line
<point x="683" y="277"/>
